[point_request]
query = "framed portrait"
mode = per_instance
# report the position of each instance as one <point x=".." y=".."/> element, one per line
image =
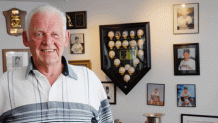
<point x="15" y="58"/>
<point x="155" y="94"/>
<point x="76" y="20"/>
<point x="186" y="18"/>
<point x="186" y="59"/>
<point x="110" y="90"/>
<point x="186" y="95"/>
<point x="86" y="63"/>
<point x="77" y="44"/>
<point x="193" y="118"/>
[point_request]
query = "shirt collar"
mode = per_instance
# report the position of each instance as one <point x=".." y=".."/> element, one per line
<point x="67" y="70"/>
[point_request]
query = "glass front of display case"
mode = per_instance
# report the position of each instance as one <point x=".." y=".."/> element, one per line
<point x="125" y="53"/>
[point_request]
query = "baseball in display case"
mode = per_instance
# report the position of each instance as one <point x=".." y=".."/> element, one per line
<point x="125" y="53"/>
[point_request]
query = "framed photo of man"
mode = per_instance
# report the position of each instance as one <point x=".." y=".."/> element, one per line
<point x="155" y="94"/>
<point x="77" y="44"/>
<point x="15" y="58"/>
<point x="186" y="18"/>
<point x="110" y="90"/>
<point x="186" y="95"/>
<point x="186" y="59"/>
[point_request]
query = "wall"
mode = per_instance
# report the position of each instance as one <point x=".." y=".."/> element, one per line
<point x="130" y="108"/>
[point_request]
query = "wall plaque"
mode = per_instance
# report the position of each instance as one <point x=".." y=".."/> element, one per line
<point x="76" y="20"/>
<point x="15" y="21"/>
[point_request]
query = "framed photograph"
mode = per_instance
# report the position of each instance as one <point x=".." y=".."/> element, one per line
<point x="77" y="44"/>
<point x="15" y="58"/>
<point x="86" y="63"/>
<point x="186" y="18"/>
<point x="186" y="59"/>
<point x="110" y="90"/>
<point x="76" y="20"/>
<point x="192" y="118"/>
<point x="155" y="94"/>
<point x="186" y="95"/>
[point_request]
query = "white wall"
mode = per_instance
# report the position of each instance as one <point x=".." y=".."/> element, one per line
<point x="159" y="13"/>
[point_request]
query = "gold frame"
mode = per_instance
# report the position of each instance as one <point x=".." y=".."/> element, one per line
<point x="86" y="63"/>
<point x="4" y="51"/>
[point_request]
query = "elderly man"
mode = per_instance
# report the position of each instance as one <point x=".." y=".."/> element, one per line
<point x="48" y="89"/>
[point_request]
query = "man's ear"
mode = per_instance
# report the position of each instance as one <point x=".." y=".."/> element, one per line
<point x="67" y="38"/>
<point x="25" y="40"/>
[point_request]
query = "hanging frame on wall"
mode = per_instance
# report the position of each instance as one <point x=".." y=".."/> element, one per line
<point x="125" y="53"/>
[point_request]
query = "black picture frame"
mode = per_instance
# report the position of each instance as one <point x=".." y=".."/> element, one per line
<point x="76" y="20"/>
<point x="181" y="95"/>
<point x="186" y="18"/>
<point x="110" y="86"/>
<point x="77" y="43"/>
<point x="107" y="63"/>
<point x="195" y="118"/>
<point x="160" y="94"/>
<point x="190" y="66"/>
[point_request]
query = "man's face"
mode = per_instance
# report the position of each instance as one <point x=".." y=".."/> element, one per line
<point x="185" y="91"/>
<point x="46" y="38"/>
<point x="155" y="90"/>
<point x="17" y="61"/>
<point x="186" y="55"/>
<point x="77" y="40"/>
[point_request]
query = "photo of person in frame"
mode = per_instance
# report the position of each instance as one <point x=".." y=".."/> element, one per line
<point x="155" y="94"/>
<point x="186" y="95"/>
<point x="185" y="18"/>
<point x="187" y="60"/>
<point x="109" y="90"/>
<point x="17" y="61"/>
<point x="77" y="46"/>
<point x="77" y="43"/>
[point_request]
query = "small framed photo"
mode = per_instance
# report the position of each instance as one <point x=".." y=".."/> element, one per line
<point x="77" y="44"/>
<point x="15" y="58"/>
<point x="186" y="59"/>
<point x="193" y="118"/>
<point x="110" y="90"/>
<point x="86" y="63"/>
<point x="186" y="95"/>
<point x="155" y="94"/>
<point x="76" y="20"/>
<point x="186" y="18"/>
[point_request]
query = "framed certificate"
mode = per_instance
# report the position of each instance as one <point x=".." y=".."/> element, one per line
<point x="15" y="58"/>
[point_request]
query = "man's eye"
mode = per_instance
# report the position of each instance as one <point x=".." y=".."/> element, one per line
<point x="55" y="34"/>
<point x="39" y="34"/>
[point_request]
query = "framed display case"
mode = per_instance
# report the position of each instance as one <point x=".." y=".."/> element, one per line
<point x="125" y="53"/>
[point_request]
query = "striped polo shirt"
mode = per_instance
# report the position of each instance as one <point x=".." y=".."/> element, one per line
<point x="76" y="96"/>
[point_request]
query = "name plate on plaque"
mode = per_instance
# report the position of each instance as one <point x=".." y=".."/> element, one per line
<point x="15" y="21"/>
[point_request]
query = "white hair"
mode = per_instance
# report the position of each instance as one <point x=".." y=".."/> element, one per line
<point x="50" y="10"/>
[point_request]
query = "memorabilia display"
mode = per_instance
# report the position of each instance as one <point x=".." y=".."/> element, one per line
<point x="77" y="43"/>
<point x="76" y="20"/>
<point x="110" y="90"/>
<point x="15" y="58"/>
<point x="15" y="21"/>
<point x="186" y="18"/>
<point x="153" y="117"/>
<point x="194" y="118"/>
<point x="125" y="53"/>
<point x="186" y="59"/>
<point x="186" y="95"/>
<point x="155" y="94"/>
<point x="86" y="63"/>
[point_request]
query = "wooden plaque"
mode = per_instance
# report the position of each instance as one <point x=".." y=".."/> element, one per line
<point x="15" y="21"/>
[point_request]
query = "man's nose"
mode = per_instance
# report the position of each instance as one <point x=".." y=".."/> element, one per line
<point x="48" y="39"/>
